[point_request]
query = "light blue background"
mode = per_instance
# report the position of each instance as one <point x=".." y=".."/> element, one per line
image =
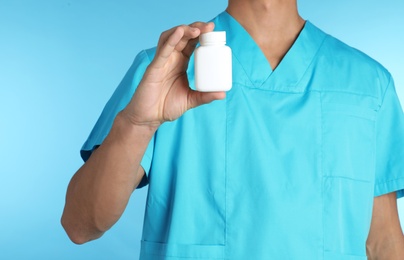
<point x="59" y="63"/>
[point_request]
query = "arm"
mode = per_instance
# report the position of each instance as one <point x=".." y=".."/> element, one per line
<point x="385" y="240"/>
<point x="99" y="191"/>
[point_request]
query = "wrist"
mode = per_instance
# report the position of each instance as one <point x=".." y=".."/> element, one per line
<point x="129" y="120"/>
<point x="127" y="134"/>
<point x="389" y="246"/>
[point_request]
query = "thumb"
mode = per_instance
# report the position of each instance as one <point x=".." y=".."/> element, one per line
<point x="197" y="98"/>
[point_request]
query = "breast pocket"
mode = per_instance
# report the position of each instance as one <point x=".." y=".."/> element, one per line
<point x="348" y="141"/>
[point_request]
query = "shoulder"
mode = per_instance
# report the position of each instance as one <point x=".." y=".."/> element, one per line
<point x="343" y="54"/>
<point x="350" y="69"/>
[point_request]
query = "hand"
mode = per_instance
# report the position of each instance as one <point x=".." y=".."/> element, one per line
<point x="164" y="94"/>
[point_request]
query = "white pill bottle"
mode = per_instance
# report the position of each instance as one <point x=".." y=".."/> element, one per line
<point x="213" y="65"/>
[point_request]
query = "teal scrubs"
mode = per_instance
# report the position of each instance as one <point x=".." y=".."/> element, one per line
<point x="286" y="167"/>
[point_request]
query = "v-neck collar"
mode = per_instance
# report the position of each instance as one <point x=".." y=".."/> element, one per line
<point x="252" y="61"/>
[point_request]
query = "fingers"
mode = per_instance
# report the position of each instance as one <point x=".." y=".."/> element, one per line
<point x="192" y="40"/>
<point x="203" y="28"/>
<point x="167" y="43"/>
<point x="196" y="98"/>
<point x="182" y="39"/>
<point x="173" y="40"/>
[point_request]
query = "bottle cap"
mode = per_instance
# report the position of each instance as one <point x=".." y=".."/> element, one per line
<point x="213" y="37"/>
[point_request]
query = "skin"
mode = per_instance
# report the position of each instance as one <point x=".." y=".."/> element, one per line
<point x="99" y="191"/>
<point x="385" y="240"/>
<point x="281" y="21"/>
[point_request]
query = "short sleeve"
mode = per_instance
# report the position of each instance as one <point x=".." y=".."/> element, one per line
<point x="118" y="101"/>
<point x="390" y="145"/>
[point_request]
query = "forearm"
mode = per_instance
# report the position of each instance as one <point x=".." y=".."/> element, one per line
<point x="385" y="240"/>
<point x="99" y="192"/>
<point x="390" y="248"/>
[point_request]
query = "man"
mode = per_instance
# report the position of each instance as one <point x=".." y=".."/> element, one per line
<point x="287" y="165"/>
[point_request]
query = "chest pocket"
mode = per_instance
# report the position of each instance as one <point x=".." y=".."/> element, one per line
<point x="348" y="141"/>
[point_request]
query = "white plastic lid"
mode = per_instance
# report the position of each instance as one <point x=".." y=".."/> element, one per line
<point x="218" y="37"/>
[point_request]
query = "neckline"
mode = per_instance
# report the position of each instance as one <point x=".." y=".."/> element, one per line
<point x="252" y="61"/>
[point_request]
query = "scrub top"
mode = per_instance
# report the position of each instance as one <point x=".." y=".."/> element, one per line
<point x="286" y="167"/>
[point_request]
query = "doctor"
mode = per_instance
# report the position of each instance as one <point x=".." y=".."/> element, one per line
<point x="302" y="159"/>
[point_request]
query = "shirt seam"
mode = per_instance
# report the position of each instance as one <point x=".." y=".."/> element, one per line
<point x="345" y="92"/>
<point x="225" y="177"/>
<point x="306" y="91"/>
<point x="385" y="91"/>
<point x="241" y="65"/>
<point x="312" y="60"/>
<point x="389" y="181"/>
<point x="347" y="178"/>
<point x="182" y="257"/>
<point x="322" y="172"/>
